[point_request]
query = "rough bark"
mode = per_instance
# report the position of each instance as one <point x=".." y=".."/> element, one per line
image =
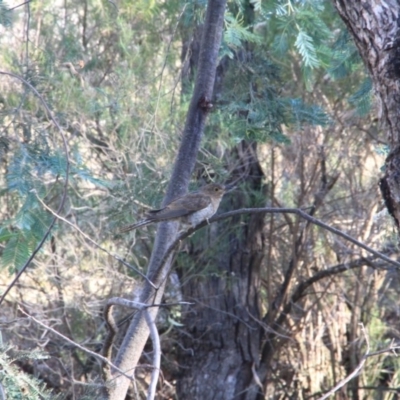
<point x="221" y="338"/>
<point x="138" y="332"/>
<point x="375" y="27"/>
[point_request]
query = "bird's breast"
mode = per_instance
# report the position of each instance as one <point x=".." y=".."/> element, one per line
<point x="201" y="215"/>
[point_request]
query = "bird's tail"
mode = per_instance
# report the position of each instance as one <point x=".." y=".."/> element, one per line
<point x="129" y="228"/>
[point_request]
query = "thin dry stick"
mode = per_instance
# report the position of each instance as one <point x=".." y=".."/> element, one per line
<point x="19" y="5"/>
<point x="256" y="377"/>
<point x="266" y="210"/>
<point x="155" y="338"/>
<point x="2" y="393"/>
<point x="119" y="301"/>
<point x="92" y="353"/>
<point x="87" y="237"/>
<point x="274" y="210"/>
<point x="345" y="380"/>
<point x="270" y="210"/>
<point x="359" y="366"/>
<point x="309" y="218"/>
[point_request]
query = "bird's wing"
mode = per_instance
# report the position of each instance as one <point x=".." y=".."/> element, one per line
<point x="194" y="201"/>
<point x="181" y="206"/>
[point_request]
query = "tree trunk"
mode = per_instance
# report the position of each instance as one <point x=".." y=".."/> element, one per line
<point x="138" y="331"/>
<point x="221" y="337"/>
<point x="376" y="32"/>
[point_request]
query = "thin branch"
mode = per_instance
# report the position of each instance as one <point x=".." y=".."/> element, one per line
<point x="267" y="210"/>
<point x="274" y="210"/>
<point x="2" y="393"/>
<point x="92" y="353"/>
<point x="113" y="327"/>
<point x="19" y="5"/>
<point x="345" y="380"/>
<point x="141" y="306"/>
<point x="87" y="237"/>
<point x="303" y="214"/>
<point x="337" y="269"/>
<point x="303" y="286"/>
<point x="65" y="187"/>
<point x="359" y="366"/>
<point x="256" y="377"/>
<point x="155" y="338"/>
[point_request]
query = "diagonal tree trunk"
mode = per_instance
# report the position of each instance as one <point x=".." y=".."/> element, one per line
<point x="138" y="332"/>
<point x="221" y="336"/>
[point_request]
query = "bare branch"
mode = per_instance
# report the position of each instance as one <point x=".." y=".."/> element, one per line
<point x="87" y="237"/>
<point x="92" y="353"/>
<point x="303" y="214"/>
<point x="273" y="210"/>
<point x="359" y="366"/>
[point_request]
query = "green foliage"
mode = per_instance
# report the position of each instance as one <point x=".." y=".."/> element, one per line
<point x="5" y="15"/>
<point x="236" y="35"/>
<point x="122" y="111"/>
<point x="305" y="114"/>
<point x="261" y="114"/>
<point x="345" y="58"/>
<point x="35" y="171"/>
<point x="305" y="45"/>
<point x="362" y="98"/>
<point x="254" y="107"/>
<point x="299" y="24"/>
<point x="16" y="252"/>
<point x="108" y="104"/>
<point x="18" y="385"/>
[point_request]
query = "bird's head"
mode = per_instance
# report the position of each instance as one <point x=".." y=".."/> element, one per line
<point x="214" y="190"/>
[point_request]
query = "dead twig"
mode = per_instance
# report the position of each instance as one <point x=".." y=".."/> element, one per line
<point x="92" y="353"/>
<point x="360" y="365"/>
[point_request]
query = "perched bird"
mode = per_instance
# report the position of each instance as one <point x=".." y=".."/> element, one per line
<point x="189" y="209"/>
